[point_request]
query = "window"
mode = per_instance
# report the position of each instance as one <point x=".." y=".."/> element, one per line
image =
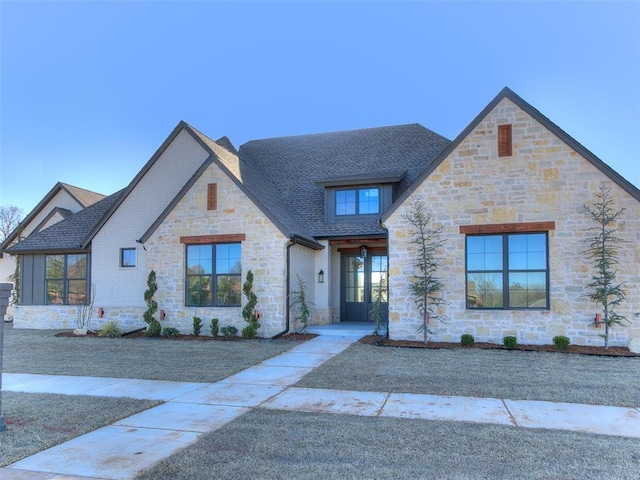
<point x="127" y="257"/>
<point x="213" y="275"/>
<point x="361" y="201"/>
<point x="212" y="196"/>
<point x="504" y="141"/>
<point x="66" y="279"/>
<point x="507" y="271"/>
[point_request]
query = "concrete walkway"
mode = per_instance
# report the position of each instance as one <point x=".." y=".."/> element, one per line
<point x="123" y="449"/>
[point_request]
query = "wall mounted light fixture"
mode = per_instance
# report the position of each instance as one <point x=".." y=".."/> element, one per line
<point x="321" y="276"/>
<point x="363" y="251"/>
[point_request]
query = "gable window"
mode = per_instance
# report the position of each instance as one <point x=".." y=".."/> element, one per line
<point x="359" y="201"/>
<point x="127" y="257"/>
<point x="213" y="275"/>
<point x="66" y="279"/>
<point x="507" y="271"/>
<point x="505" y="144"/>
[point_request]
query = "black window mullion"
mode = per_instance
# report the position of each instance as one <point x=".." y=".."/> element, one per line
<point x="505" y="272"/>
<point x="214" y="277"/>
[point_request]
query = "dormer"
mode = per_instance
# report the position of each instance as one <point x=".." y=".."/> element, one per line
<point x="358" y="198"/>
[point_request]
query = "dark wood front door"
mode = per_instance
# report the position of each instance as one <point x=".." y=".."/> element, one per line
<point x="364" y="279"/>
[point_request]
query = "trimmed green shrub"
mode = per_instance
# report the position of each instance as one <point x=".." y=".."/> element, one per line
<point x="110" y="330"/>
<point x="214" y="327"/>
<point x="154" y="329"/>
<point x="229" y="331"/>
<point x="197" y="325"/>
<point x="249" y="312"/>
<point x="467" y="340"/>
<point x="561" y="342"/>
<point x="170" y="332"/>
<point x="510" y="342"/>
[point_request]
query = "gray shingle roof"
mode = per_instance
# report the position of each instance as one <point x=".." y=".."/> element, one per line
<point x="285" y="170"/>
<point x="85" y="197"/>
<point x="69" y="234"/>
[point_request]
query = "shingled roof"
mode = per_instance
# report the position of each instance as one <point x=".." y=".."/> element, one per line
<point x="289" y="171"/>
<point x="68" y="235"/>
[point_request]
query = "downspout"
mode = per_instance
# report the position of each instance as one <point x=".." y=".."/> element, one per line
<point x="291" y="243"/>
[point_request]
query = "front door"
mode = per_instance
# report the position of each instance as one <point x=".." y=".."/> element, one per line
<point x="364" y="287"/>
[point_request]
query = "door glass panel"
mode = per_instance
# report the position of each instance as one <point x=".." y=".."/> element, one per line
<point x="354" y="281"/>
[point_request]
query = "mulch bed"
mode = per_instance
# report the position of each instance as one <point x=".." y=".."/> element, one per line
<point x="202" y="338"/>
<point x="579" y="349"/>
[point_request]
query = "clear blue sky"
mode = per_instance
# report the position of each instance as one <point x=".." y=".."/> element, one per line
<point x="89" y="90"/>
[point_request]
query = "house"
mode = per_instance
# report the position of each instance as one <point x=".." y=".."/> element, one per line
<point x="59" y="203"/>
<point x="327" y="211"/>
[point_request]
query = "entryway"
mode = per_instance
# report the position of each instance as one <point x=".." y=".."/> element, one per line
<point x="363" y="282"/>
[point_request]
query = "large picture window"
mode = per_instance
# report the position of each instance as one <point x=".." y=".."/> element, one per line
<point x="360" y="201"/>
<point x="507" y="271"/>
<point x="214" y="275"/>
<point x="66" y="279"/>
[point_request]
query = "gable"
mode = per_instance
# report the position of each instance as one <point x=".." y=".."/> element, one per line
<point x="153" y="188"/>
<point x="59" y="197"/>
<point x="524" y="112"/>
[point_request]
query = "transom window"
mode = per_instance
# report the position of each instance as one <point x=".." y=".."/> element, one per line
<point x="213" y="275"/>
<point x="507" y="271"/>
<point x="66" y="279"/>
<point x="359" y="201"/>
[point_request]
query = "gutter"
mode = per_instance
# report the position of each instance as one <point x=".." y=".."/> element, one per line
<point x="292" y="241"/>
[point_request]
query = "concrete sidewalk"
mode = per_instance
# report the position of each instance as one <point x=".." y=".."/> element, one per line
<point x="123" y="449"/>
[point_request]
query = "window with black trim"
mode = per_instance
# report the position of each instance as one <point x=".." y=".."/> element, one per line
<point x="66" y="279"/>
<point x="127" y="257"/>
<point x="357" y="201"/>
<point x="507" y="271"/>
<point x="213" y="276"/>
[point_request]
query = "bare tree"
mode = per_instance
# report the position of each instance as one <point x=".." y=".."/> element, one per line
<point x="10" y="217"/>
<point x="426" y="287"/>
<point x="603" y="255"/>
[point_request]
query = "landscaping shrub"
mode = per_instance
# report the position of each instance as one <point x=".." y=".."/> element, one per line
<point x="510" y="342"/>
<point x="467" y="340"/>
<point x="229" y="331"/>
<point x="561" y="342"/>
<point x="110" y="329"/>
<point x="154" y="329"/>
<point x="197" y="325"/>
<point x="215" y="327"/>
<point x="170" y="332"/>
<point x="249" y="312"/>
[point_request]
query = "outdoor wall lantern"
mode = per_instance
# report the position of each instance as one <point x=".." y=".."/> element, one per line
<point x="363" y="251"/>
<point x="321" y="276"/>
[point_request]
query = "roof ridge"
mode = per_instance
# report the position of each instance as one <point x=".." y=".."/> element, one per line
<point x="335" y="132"/>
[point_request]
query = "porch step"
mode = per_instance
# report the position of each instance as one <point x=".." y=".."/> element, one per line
<point x="345" y="329"/>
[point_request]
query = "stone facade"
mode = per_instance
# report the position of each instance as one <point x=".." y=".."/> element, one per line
<point x="544" y="180"/>
<point x="263" y="252"/>
<point x="65" y="316"/>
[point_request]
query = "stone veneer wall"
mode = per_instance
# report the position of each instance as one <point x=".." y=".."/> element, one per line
<point x="64" y="317"/>
<point x="263" y="252"/>
<point x="544" y="180"/>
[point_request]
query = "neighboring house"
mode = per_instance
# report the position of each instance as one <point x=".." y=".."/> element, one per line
<point x="59" y="203"/>
<point x="328" y="209"/>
